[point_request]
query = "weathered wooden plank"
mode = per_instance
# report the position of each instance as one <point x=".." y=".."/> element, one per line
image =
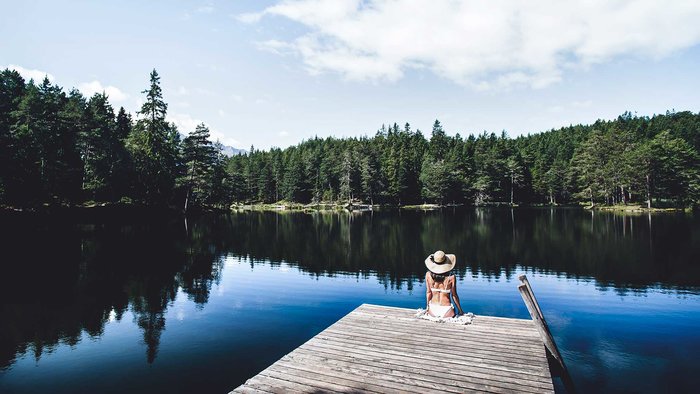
<point x="386" y="350"/>
<point x="301" y="383"/>
<point x="325" y="380"/>
<point x="460" y="348"/>
<point x="404" y="383"/>
<point x="400" y="329"/>
<point x="527" y="344"/>
<point x="248" y="389"/>
<point x="271" y="385"/>
<point x="267" y="378"/>
<point x="457" y="348"/>
<point x="428" y="326"/>
<point x="428" y="358"/>
<point x="456" y="343"/>
<point x="375" y="379"/>
<point x="407" y="360"/>
<point x="423" y="376"/>
<point x="416" y="365"/>
<point x="505" y="339"/>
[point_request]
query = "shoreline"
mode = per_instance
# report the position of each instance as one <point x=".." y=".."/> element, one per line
<point x="637" y="209"/>
<point x="105" y="208"/>
<point x="329" y="206"/>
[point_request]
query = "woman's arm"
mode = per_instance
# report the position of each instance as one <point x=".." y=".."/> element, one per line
<point x="455" y="297"/>
<point x="428" y="292"/>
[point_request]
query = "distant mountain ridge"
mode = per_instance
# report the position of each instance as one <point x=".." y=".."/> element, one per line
<point x="226" y="149"/>
<point x="231" y="151"/>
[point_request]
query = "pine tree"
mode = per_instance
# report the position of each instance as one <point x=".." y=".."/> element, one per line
<point x="588" y="163"/>
<point x="12" y="89"/>
<point x="221" y="183"/>
<point x="69" y="162"/>
<point x="123" y="171"/>
<point x="123" y="124"/>
<point x="199" y="157"/>
<point x="98" y="143"/>
<point x="370" y="177"/>
<point x="346" y="190"/>
<point x="439" y="142"/>
<point x="153" y="144"/>
<point x="435" y="178"/>
<point x="277" y="173"/>
<point x="675" y="169"/>
<point x="515" y="173"/>
<point x="294" y="185"/>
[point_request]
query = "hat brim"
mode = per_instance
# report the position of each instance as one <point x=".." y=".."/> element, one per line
<point x="447" y="266"/>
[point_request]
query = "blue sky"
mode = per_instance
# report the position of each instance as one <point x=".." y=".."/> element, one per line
<point x="273" y="73"/>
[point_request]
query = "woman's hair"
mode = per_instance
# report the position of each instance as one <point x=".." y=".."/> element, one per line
<point x="439" y="277"/>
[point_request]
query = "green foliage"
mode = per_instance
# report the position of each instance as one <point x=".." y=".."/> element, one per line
<point x="674" y="169"/>
<point x="102" y="151"/>
<point x="153" y="145"/>
<point x="200" y="159"/>
<point x="61" y="148"/>
<point x="435" y="177"/>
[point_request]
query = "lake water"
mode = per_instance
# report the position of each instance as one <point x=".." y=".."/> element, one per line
<point x="144" y="304"/>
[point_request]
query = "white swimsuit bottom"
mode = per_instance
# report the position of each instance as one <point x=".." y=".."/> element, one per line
<point x="439" y="310"/>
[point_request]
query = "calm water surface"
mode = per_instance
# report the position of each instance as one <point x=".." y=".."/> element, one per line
<point x="159" y="305"/>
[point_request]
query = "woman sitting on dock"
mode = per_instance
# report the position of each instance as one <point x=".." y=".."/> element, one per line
<point x="441" y="286"/>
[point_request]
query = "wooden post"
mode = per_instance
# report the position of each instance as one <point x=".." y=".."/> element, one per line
<point x="540" y="324"/>
<point x="538" y="318"/>
<point x="526" y="282"/>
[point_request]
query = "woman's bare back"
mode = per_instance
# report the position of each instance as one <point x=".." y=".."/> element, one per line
<point x="441" y="290"/>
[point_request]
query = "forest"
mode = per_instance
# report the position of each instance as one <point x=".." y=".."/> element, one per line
<point x="60" y="148"/>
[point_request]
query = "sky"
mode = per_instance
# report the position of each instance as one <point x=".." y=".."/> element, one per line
<point x="274" y="73"/>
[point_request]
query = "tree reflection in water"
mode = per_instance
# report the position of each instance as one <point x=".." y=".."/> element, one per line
<point x="65" y="279"/>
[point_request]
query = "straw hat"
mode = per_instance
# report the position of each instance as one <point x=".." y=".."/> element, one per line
<point x="440" y="263"/>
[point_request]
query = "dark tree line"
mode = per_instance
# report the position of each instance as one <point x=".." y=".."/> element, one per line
<point x="627" y="160"/>
<point x="63" y="148"/>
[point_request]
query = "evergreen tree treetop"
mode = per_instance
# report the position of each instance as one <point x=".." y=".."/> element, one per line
<point x="154" y="108"/>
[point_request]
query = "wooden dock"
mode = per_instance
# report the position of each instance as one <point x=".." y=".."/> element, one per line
<point x="387" y="350"/>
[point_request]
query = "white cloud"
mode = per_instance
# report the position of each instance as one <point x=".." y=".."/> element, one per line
<point x="277" y="47"/>
<point x="484" y="44"/>
<point x="224" y="139"/>
<point x="186" y="124"/>
<point x="222" y="113"/>
<point x="27" y="74"/>
<point x="207" y="9"/>
<point x="251" y="17"/>
<point x="90" y="88"/>
<point x="283" y="133"/>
